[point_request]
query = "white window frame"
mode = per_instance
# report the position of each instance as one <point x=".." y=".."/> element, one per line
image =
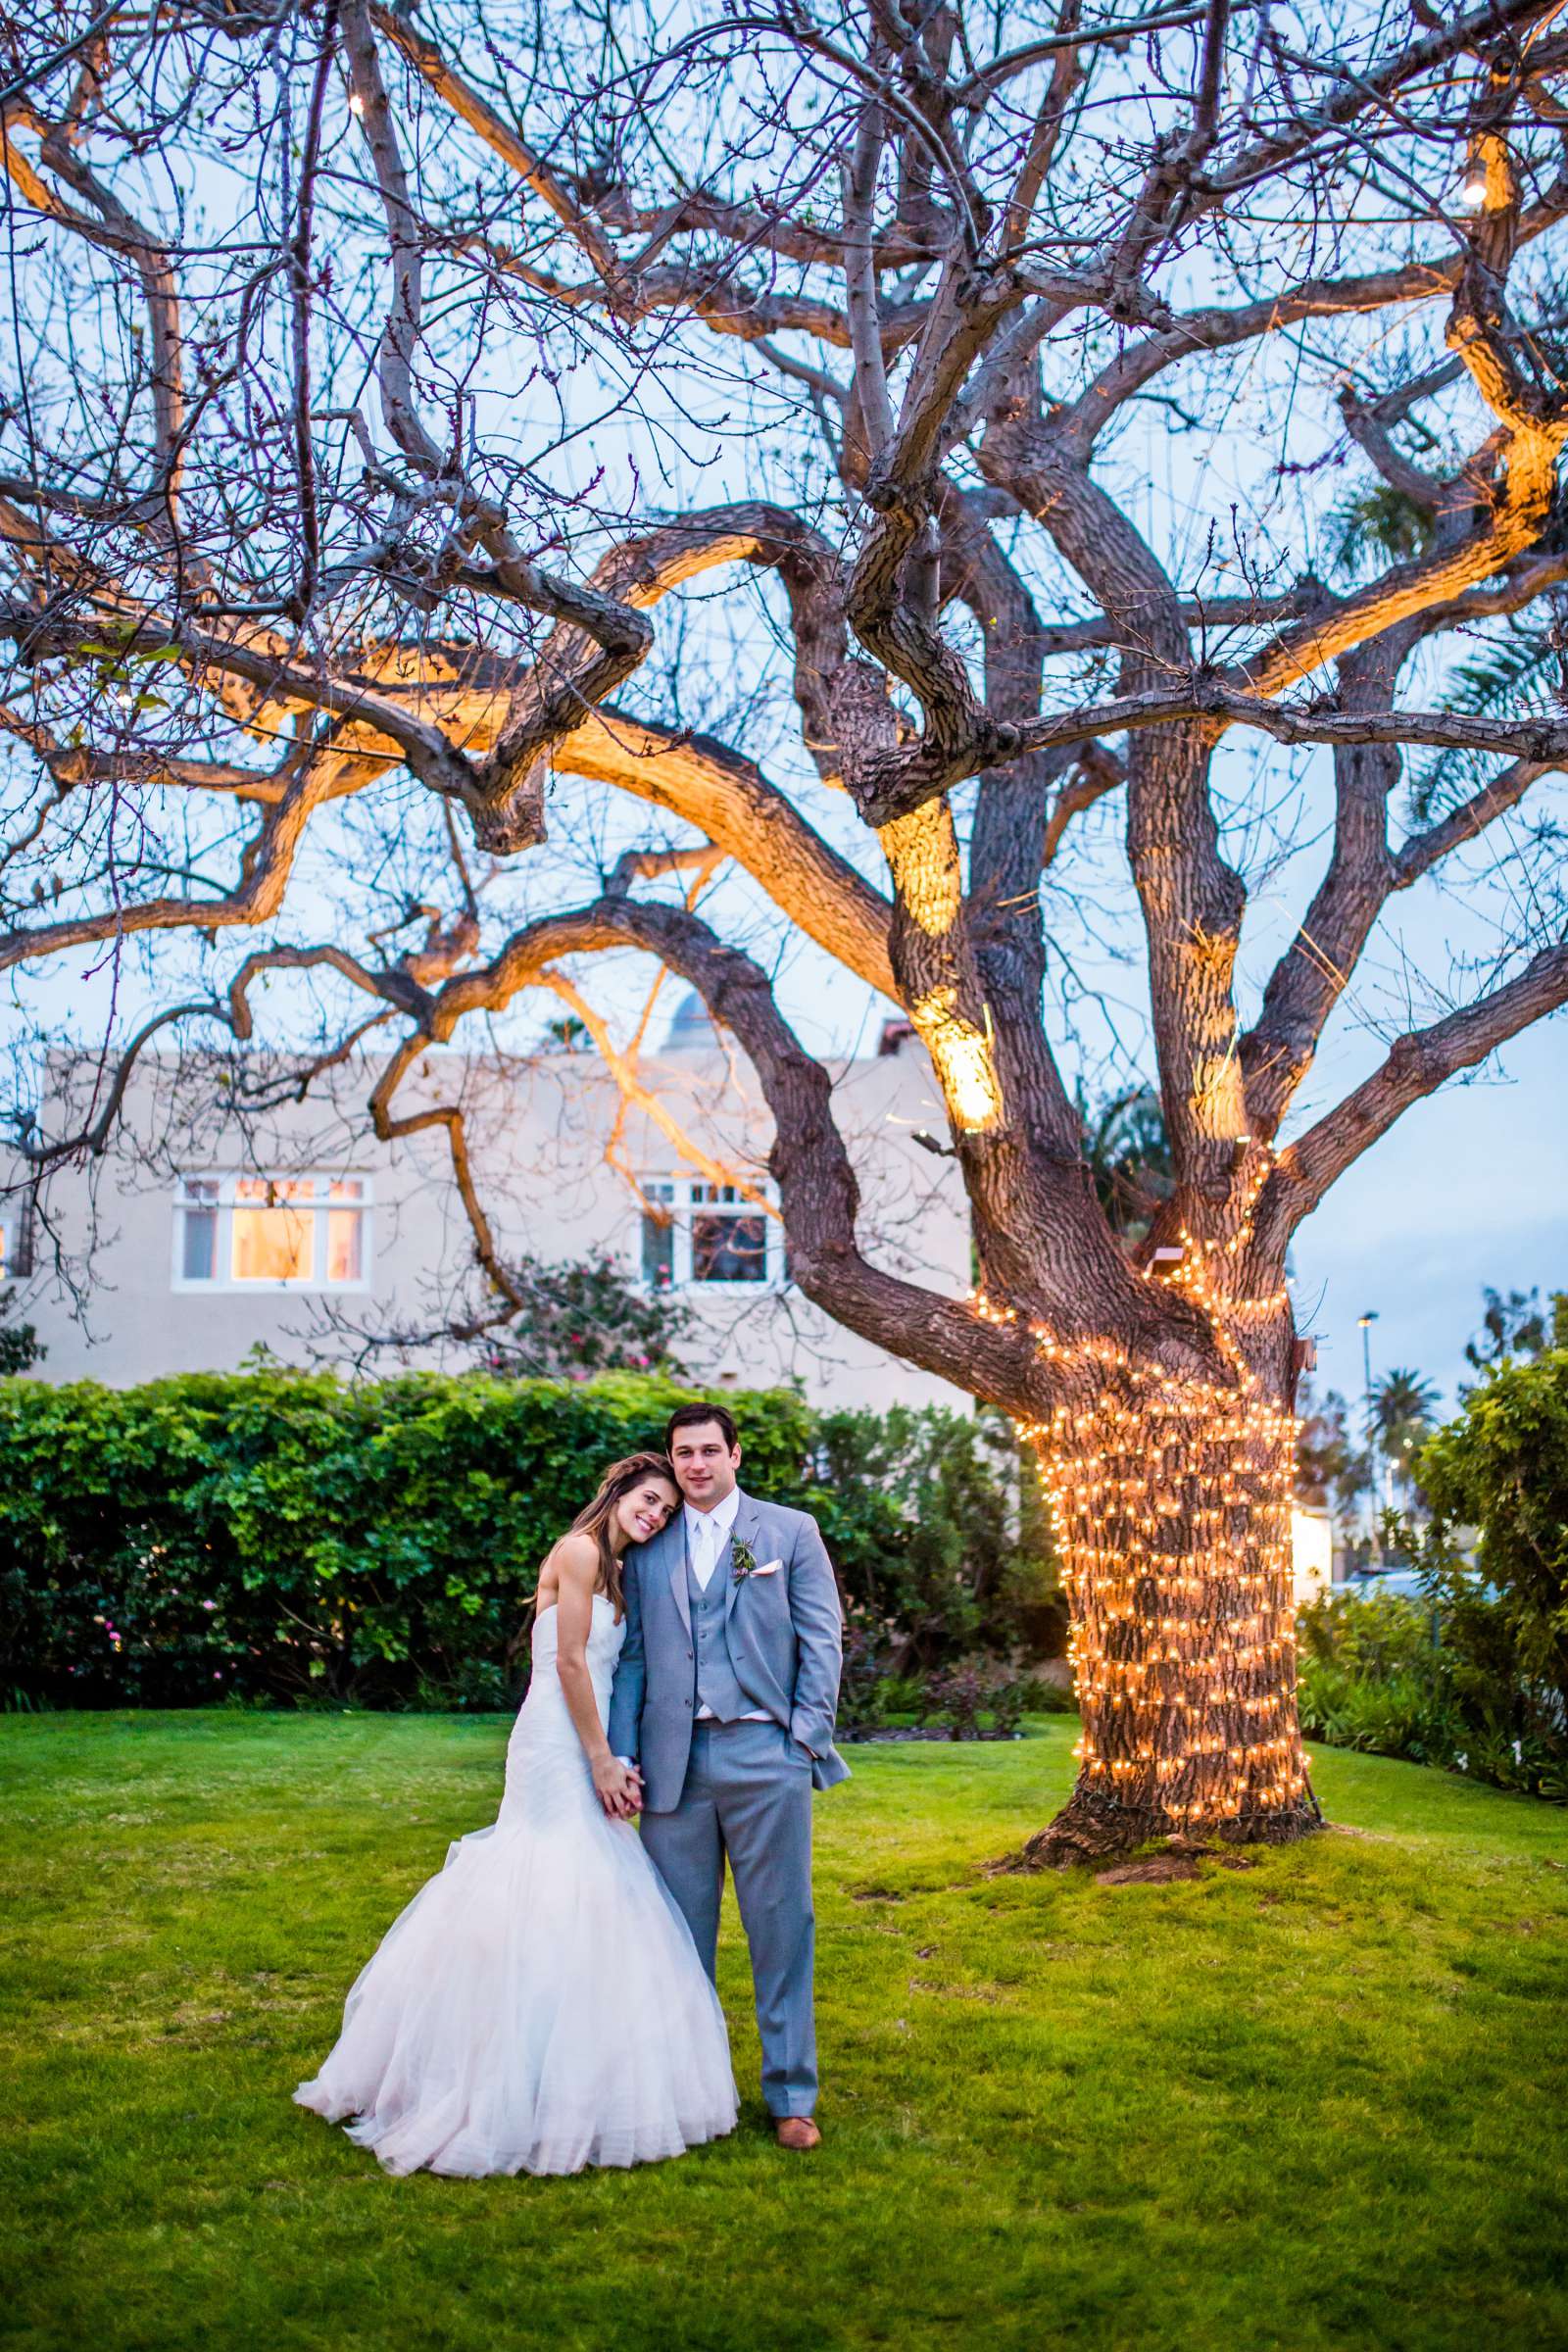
<point x="15" y="1238"/>
<point x="691" y="1199"/>
<point x="225" y="1199"/>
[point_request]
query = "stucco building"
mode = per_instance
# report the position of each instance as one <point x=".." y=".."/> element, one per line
<point x="227" y="1215"/>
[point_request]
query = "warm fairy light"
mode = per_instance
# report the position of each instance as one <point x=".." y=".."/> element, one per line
<point x="962" y="1058"/>
<point x="1170" y="1499"/>
<point x="356" y="103"/>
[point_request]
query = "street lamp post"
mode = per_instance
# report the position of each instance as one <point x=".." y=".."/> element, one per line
<point x="1366" y="1322"/>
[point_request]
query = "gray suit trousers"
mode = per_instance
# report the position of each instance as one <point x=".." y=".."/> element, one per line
<point x="748" y="1796"/>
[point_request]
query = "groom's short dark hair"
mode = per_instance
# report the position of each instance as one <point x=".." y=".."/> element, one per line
<point x="695" y="1416"/>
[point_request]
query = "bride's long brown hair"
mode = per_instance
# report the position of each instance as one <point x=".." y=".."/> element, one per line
<point x="594" y="1519"/>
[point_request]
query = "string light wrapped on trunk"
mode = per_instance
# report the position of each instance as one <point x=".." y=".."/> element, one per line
<point x="1170" y="1498"/>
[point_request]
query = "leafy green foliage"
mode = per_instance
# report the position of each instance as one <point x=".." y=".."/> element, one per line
<point x="1129" y="1158"/>
<point x="1515" y="1323"/>
<point x="282" y="1536"/>
<point x="1507" y="675"/>
<point x="567" y="1034"/>
<point x="18" y="1342"/>
<point x="936" y="1522"/>
<point x="1502" y="1466"/>
<point x="1372" y="1677"/>
<point x="1475" y="1675"/>
<point x="1380" y="526"/>
<point x="279" y="1536"/>
<point x="586" y="1318"/>
<point x="977" y="1690"/>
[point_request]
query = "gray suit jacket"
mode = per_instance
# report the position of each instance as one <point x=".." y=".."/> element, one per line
<point x="786" y="1643"/>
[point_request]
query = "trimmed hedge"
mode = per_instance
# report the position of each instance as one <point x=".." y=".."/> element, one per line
<point x="282" y="1536"/>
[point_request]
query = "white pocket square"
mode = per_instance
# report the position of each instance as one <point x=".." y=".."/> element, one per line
<point x="769" y="1568"/>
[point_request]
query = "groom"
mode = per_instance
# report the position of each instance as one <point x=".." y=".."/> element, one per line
<point x="724" y="1700"/>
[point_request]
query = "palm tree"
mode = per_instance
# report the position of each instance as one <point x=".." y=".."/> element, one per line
<point x="1404" y="1416"/>
<point x="1129" y="1159"/>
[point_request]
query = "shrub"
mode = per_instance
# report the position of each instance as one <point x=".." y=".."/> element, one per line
<point x="935" y="1521"/>
<point x="281" y="1535"/>
<point x="1370" y="1636"/>
<point x="975" y="1687"/>
<point x="1403" y="1715"/>
<point x="1045" y="1696"/>
<point x="864" y="1683"/>
<point x="1502" y="1466"/>
<point x="20" y="1349"/>
<point x="907" y="1695"/>
<point x="273" y="1536"/>
<point x="1373" y="1675"/>
<point x="578" y="1319"/>
<point x="1475" y="1675"/>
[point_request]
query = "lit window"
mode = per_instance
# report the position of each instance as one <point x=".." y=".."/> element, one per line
<point x="273" y="1229"/>
<point x="345" y="1230"/>
<point x="289" y="1232"/>
<point x="693" y="1232"/>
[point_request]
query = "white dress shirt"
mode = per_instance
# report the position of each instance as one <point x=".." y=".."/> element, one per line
<point x="707" y="1534"/>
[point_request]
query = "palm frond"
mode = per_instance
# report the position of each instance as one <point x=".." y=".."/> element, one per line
<point x="1380" y="525"/>
<point x="1504" y="675"/>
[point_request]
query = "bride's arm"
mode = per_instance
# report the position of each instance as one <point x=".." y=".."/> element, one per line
<point x="577" y="1567"/>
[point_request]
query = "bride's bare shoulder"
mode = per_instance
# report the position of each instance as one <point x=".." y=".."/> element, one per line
<point x="573" y="1560"/>
<point x="573" y="1557"/>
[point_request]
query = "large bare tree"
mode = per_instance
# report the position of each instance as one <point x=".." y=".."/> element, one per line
<point x="349" y="340"/>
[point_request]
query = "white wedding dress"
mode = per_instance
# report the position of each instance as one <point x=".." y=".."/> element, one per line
<point x="539" y="2006"/>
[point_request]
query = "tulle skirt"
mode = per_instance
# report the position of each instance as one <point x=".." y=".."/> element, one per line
<point x="539" y="2006"/>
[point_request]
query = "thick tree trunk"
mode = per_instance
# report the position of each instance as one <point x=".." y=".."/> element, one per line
<point x="1172" y="1509"/>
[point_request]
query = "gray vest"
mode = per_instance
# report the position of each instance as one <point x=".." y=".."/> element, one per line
<point x="716" y="1687"/>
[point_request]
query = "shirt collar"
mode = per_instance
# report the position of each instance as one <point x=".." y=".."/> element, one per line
<point x="718" y="1522"/>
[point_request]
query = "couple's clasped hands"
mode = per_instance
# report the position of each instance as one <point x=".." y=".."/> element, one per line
<point x="619" y="1787"/>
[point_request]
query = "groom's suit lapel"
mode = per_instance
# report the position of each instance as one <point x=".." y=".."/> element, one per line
<point x="747" y="1530"/>
<point x="673" y="1559"/>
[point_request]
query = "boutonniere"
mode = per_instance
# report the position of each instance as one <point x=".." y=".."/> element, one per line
<point x="744" y="1561"/>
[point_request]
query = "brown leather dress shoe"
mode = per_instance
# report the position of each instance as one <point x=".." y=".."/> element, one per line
<point x="796" y="2131"/>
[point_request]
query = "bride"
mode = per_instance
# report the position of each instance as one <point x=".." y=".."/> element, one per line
<point x="540" y="2005"/>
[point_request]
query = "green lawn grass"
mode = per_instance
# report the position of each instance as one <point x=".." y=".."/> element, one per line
<point x="1318" y="2101"/>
